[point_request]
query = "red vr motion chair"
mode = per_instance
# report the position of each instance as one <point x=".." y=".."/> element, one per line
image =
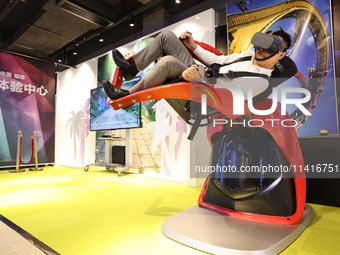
<point x="277" y="197"/>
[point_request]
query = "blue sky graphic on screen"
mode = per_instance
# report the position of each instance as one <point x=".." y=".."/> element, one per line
<point x="103" y="117"/>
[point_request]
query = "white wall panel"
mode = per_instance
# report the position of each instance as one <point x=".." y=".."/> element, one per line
<point x="75" y="144"/>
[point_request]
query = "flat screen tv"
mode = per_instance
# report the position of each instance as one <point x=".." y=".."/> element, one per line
<point x="103" y="117"/>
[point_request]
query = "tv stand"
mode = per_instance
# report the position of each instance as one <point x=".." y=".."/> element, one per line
<point x="109" y="142"/>
<point x="112" y="140"/>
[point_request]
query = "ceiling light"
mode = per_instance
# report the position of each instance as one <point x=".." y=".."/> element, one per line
<point x="101" y="39"/>
<point x="177" y="1"/>
<point x="130" y="19"/>
<point x="74" y="49"/>
<point x="60" y="58"/>
<point x="132" y="24"/>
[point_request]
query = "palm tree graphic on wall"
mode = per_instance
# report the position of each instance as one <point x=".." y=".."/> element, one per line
<point x="75" y="125"/>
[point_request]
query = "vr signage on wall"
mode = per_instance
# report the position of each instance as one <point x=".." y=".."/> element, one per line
<point x="27" y="90"/>
<point x="18" y="86"/>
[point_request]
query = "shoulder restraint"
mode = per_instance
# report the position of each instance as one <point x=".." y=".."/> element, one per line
<point x="213" y="71"/>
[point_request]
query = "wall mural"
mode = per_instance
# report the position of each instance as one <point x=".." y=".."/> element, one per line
<point x="27" y="99"/>
<point x="336" y="19"/>
<point x="77" y="127"/>
<point x="309" y="23"/>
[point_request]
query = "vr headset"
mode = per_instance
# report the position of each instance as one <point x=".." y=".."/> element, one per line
<point x="269" y="42"/>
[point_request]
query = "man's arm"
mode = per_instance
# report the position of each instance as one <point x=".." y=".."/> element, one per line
<point x="191" y="73"/>
<point x="206" y="56"/>
<point x="188" y="40"/>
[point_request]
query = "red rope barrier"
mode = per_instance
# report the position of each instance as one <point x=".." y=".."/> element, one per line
<point x="20" y="152"/>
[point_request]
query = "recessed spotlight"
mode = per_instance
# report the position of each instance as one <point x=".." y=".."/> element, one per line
<point x="131" y="23"/>
<point x="198" y="17"/>
<point x="101" y="40"/>
<point x="177" y="1"/>
<point x="74" y="53"/>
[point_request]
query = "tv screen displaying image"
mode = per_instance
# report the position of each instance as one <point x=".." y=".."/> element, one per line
<point x="103" y="117"/>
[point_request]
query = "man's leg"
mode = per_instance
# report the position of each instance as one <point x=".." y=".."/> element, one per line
<point x="168" y="67"/>
<point x="166" y="42"/>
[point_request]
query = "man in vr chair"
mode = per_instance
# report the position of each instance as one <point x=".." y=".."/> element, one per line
<point x="270" y="47"/>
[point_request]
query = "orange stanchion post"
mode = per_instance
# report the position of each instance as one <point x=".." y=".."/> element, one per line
<point x="17" y="170"/>
<point x="35" y="153"/>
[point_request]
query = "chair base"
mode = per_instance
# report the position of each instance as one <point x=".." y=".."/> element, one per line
<point x="215" y="233"/>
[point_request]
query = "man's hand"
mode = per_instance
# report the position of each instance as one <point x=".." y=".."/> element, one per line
<point x="188" y="40"/>
<point x="191" y="73"/>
